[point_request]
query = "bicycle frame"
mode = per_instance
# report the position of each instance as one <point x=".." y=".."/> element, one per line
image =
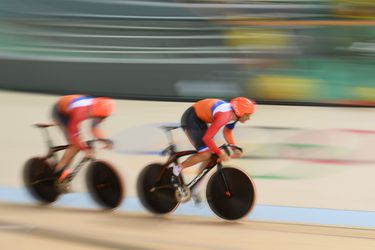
<point x="174" y="156"/>
<point x="200" y="176"/>
<point x="53" y="149"/>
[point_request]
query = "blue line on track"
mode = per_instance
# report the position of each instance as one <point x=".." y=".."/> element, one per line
<point x="317" y="216"/>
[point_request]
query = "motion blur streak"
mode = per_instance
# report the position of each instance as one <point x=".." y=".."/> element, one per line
<point x="317" y="52"/>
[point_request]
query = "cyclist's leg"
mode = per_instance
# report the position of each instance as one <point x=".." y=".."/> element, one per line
<point x="60" y="119"/>
<point x="195" y="129"/>
<point x="196" y="190"/>
<point x="195" y="159"/>
<point x="71" y="151"/>
<point x="69" y="154"/>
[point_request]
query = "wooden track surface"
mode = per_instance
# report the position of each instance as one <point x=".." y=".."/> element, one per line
<point x="35" y="227"/>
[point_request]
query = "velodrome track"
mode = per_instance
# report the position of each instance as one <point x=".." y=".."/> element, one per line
<point x="25" y="225"/>
<point x="31" y="227"/>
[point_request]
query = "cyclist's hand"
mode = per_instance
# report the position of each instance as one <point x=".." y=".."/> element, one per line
<point x="223" y="157"/>
<point x="236" y="153"/>
<point x="89" y="154"/>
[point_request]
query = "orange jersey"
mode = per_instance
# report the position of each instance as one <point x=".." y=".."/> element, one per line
<point x="64" y="102"/>
<point x="219" y="114"/>
<point x="203" y="109"/>
<point x="75" y="108"/>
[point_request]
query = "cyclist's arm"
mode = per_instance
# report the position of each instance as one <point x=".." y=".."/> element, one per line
<point x="74" y="133"/>
<point x="228" y="133"/>
<point x="95" y="129"/>
<point x="220" y="120"/>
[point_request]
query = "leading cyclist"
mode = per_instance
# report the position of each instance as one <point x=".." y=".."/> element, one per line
<point x="218" y="114"/>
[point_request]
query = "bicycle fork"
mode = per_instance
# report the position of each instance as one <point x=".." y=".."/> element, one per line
<point x="220" y="169"/>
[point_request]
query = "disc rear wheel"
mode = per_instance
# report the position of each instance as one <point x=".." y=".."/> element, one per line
<point x="40" y="181"/>
<point x="155" y="190"/>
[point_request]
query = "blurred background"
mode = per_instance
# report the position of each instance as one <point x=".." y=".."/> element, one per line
<point x="309" y="64"/>
<point x="310" y="52"/>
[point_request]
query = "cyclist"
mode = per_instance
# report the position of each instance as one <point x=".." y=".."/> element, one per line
<point x="218" y="114"/>
<point x="68" y="113"/>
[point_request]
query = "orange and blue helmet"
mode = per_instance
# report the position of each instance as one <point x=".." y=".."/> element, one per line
<point x="242" y="106"/>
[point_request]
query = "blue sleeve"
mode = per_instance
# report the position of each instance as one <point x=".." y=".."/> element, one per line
<point x="231" y="125"/>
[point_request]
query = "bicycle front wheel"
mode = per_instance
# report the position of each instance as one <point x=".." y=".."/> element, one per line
<point x="105" y="184"/>
<point x="234" y="200"/>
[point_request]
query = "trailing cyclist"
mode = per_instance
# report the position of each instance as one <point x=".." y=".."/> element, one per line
<point x="68" y="112"/>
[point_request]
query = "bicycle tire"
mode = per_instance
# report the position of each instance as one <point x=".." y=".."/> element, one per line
<point x="104" y="184"/>
<point x="40" y="181"/>
<point x="242" y="194"/>
<point x="161" y="200"/>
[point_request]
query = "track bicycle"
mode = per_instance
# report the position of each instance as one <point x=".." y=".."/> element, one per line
<point x="103" y="181"/>
<point x="230" y="191"/>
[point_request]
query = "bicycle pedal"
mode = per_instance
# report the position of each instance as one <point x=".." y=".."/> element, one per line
<point x="183" y="194"/>
<point x="64" y="187"/>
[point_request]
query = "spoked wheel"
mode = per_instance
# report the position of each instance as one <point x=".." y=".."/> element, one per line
<point x="40" y="181"/>
<point x="155" y="190"/>
<point x="104" y="184"/>
<point x="240" y="199"/>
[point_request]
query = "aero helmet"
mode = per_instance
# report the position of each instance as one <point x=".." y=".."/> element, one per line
<point x="102" y="107"/>
<point x="242" y="105"/>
